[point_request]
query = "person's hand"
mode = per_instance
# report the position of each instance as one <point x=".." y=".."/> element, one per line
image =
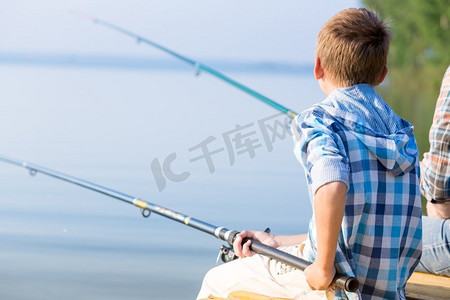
<point x="243" y="250"/>
<point x="319" y="278"/>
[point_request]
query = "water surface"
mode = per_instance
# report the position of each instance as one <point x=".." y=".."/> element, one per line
<point x="59" y="241"/>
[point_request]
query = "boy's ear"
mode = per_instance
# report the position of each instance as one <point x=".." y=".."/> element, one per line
<point x="382" y="76"/>
<point x="318" y="70"/>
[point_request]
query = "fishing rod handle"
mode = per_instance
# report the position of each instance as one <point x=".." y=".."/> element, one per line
<point x="349" y="284"/>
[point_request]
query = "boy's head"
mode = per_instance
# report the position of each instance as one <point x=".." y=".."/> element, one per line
<point x="353" y="46"/>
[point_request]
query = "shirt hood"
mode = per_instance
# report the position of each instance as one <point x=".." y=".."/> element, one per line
<point x="395" y="150"/>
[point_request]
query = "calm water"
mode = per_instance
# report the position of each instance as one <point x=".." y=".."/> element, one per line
<point x="59" y="241"/>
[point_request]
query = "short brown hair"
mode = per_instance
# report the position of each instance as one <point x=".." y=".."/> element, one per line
<point x="353" y="46"/>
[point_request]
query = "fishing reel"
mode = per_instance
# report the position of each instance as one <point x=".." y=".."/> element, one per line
<point x="226" y="254"/>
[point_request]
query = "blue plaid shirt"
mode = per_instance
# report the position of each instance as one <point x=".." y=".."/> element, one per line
<point x="353" y="136"/>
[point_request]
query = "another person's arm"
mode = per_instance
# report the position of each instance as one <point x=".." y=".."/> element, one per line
<point x="435" y="167"/>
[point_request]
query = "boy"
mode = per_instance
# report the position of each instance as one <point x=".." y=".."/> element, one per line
<point x="361" y="164"/>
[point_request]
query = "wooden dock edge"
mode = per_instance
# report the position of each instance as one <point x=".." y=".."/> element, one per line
<point x="244" y="295"/>
<point x="423" y="286"/>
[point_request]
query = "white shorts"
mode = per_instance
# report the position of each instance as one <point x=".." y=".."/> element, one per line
<point x="262" y="275"/>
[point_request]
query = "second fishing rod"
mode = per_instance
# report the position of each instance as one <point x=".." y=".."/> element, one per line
<point x="198" y="66"/>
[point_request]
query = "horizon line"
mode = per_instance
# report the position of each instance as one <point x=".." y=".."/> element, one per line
<point x="147" y="63"/>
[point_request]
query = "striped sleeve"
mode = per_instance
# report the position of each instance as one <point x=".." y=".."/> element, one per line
<point x="318" y="149"/>
<point x="435" y="183"/>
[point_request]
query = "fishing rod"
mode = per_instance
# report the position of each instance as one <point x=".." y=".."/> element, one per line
<point x="198" y="66"/>
<point x="347" y="283"/>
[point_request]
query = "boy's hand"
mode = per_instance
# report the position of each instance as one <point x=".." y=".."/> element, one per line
<point x="319" y="278"/>
<point x="260" y="236"/>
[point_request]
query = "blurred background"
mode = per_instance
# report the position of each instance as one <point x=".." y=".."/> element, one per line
<point x="418" y="58"/>
<point x="87" y="101"/>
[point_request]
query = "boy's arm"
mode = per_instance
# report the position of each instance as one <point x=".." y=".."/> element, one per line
<point x="329" y="205"/>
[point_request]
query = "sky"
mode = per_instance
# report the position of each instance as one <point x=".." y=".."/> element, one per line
<point x="254" y="30"/>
